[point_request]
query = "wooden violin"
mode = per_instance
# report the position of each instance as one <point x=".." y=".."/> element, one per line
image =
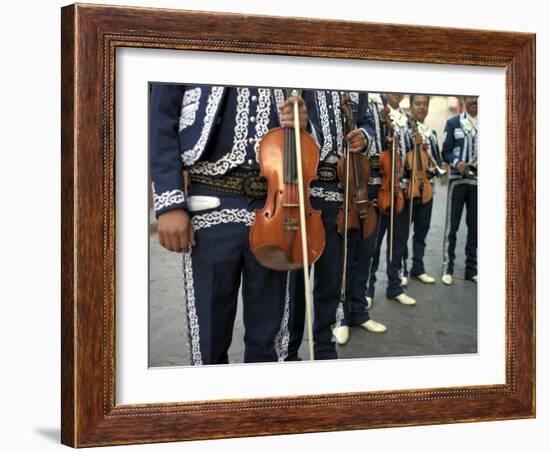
<point x="276" y="235"/>
<point x="390" y="196"/>
<point x="417" y="164"/>
<point x="357" y="216"/>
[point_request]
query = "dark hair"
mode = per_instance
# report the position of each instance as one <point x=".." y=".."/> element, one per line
<point x="412" y="96"/>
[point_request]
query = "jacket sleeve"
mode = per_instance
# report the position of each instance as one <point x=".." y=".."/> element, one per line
<point x="436" y="152"/>
<point x="166" y="166"/>
<point x="408" y="138"/>
<point x="448" y="145"/>
<point x="313" y="126"/>
<point x="383" y="126"/>
<point x="365" y="120"/>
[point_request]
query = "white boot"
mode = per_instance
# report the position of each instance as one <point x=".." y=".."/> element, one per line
<point x="475" y="279"/>
<point x="405" y="299"/>
<point x="369" y="302"/>
<point x="426" y="279"/>
<point x="447" y="279"/>
<point x="373" y="326"/>
<point x="404" y="281"/>
<point x="341" y="334"/>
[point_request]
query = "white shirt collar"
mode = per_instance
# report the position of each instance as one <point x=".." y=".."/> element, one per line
<point x="469" y="123"/>
<point x="424" y="129"/>
<point x="398" y="117"/>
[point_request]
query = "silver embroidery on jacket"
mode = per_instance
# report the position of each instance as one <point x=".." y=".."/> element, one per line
<point x="167" y="198"/>
<point x="189" y="107"/>
<point x="238" y="152"/>
<point x="279" y="97"/>
<point x="191" y="156"/>
<point x="262" y="116"/>
<point x="327" y="195"/>
<point x="338" y="119"/>
<point x="323" y="113"/>
<point x="376" y="105"/>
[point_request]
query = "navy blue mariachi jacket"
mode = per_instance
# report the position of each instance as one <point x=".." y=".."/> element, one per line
<point x="325" y="116"/>
<point x="187" y="132"/>
<point x="377" y="103"/>
<point x="460" y="142"/>
<point x="324" y="112"/>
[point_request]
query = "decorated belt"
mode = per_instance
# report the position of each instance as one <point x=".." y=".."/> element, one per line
<point x="375" y="161"/>
<point x="327" y="173"/>
<point x="375" y="181"/>
<point x="248" y="183"/>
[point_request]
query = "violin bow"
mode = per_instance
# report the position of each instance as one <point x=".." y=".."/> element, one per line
<point x="309" y="303"/>
<point x="390" y="135"/>
<point x="345" y="126"/>
<point x="412" y="123"/>
<point x="392" y="197"/>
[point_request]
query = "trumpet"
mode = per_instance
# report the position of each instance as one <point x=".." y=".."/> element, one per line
<point x="433" y="169"/>
<point x="470" y="168"/>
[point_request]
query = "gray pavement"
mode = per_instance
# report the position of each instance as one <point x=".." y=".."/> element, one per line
<point x="444" y="320"/>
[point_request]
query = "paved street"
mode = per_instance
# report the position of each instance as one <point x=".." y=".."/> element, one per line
<point x="444" y="320"/>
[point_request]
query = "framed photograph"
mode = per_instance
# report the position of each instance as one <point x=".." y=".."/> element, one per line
<point x="185" y="316"/>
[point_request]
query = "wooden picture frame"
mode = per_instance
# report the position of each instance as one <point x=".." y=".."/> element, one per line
<point x="90" y="37"/>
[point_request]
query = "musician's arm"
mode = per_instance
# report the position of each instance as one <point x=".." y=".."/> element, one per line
<point x="408" y="138"/>
<point x="165" y="162"/>
<point x="436" y="151"/>
<point x="365" y="122"/>
<point x="174" y="228"/>
<point x="448" y="145"/>
<point x="312" y="114"/>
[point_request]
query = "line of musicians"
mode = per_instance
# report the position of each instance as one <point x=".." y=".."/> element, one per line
<point x="205" y="149"/>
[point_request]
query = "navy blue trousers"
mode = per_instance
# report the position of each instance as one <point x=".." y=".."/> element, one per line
<point x="360" y="259"/>
<point x="393" y="267"/>
<point x="421" y="219"/>
<point x="326" y="291"/>
<point x="212" y="276"/>
<point x="462" y="192"/>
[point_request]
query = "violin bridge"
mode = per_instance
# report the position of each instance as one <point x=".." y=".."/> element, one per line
<point x="290" y="224"/>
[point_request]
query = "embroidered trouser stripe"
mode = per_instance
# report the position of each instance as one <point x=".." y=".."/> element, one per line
<point x="220" y="261"/>
<point x="284" y="333"/>
<point x="193" y="330"/>
<point x="461" y="192"/>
